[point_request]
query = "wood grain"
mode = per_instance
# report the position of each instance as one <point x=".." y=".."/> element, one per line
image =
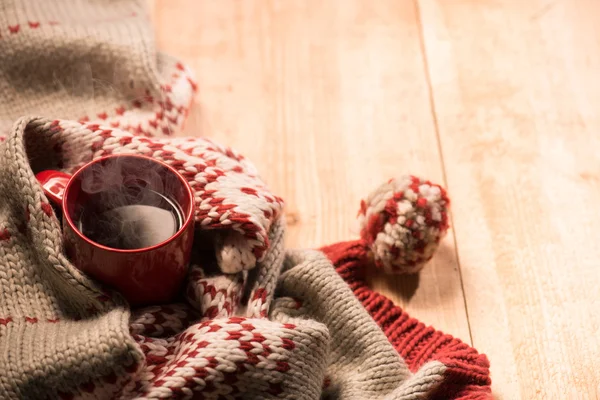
<point x="516" y="92"/>
<point x="329" y="99"/>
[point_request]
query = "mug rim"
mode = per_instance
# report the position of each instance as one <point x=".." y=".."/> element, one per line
<point x="189" y="218"/>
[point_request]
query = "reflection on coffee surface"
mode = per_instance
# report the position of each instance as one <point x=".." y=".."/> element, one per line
<point x="136" y="218"/>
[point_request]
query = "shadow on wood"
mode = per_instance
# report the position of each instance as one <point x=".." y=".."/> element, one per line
<point x="403" y="286"/>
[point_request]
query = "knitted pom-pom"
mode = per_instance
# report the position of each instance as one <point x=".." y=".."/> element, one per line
<point x="402" y="222"/>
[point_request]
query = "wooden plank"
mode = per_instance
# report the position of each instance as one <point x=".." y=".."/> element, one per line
<point x="516" y="94"/>
<point x="328" y="99"/>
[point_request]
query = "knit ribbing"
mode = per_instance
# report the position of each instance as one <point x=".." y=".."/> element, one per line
<point x="467" y="373"/>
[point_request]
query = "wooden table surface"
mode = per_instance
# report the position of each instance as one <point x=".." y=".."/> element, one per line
<point x="498" y="100"/>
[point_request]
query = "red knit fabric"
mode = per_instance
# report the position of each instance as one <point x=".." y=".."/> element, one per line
<point x="467" y="374"/>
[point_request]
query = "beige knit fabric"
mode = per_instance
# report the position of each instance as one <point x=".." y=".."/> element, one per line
<point x="253" y="321"/>
<point x="59" y="333"/>
<point x="85" y="60"/>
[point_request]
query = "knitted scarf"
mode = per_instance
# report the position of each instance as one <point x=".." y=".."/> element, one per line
<point x="82" y="79"/>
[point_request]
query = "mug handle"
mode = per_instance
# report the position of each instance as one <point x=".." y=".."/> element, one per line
<point x="53" y="184"/>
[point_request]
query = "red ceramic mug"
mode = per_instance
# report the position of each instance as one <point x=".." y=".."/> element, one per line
<point x="127" y="222"/>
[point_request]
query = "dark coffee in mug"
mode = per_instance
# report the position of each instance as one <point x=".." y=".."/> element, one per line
<point x="130" y="218"/>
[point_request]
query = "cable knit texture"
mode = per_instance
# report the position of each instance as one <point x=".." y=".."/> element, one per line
<point x="82" y="79"/>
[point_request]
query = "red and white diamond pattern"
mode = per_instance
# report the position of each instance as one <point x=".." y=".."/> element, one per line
<point x="214" y="358"/>
<point x="230" y="198"/>
<point x="214" y="297"/>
